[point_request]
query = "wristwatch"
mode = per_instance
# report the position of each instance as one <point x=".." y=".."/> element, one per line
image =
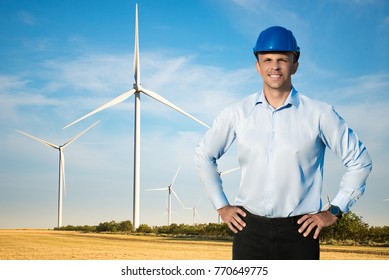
<point x="335" y="211"/>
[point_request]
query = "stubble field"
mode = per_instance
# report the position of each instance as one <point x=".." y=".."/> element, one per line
<point x="31" y="244"/>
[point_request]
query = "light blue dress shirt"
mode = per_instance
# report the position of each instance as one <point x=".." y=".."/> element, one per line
<point x="281" y="155"/>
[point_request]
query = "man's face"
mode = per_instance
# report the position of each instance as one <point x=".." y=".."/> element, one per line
<point x="276" y="69"/>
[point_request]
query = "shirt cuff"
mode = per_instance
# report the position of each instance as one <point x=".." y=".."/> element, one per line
<point x="220" y="201"/>
<point x="346" y="198"/>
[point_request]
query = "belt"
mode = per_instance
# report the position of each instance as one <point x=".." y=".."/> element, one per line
<point x="283" y="220"/>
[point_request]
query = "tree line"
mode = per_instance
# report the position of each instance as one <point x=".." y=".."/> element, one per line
<point x="349" y="230"/>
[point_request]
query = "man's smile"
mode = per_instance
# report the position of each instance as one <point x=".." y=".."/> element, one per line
<point x="275" y="76"/>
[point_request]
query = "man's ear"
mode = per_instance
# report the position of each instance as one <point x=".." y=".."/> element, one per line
<point x="258" y="67"/>
<point x="295" y="66"/>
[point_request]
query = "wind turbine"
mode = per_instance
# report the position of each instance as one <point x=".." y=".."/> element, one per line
<point x="137" y="90"/>
<point x="195" y="212"/>
<point x="170" y="190"/>
<point x="61" y="181"/>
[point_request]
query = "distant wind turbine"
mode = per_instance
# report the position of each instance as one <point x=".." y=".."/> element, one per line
<point x="61" y="181"/>
<point x="195" y="212"/>
<point x="170" y="190"/>
<point x="137" y="90"/>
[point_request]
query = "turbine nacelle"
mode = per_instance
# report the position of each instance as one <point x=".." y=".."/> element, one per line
<point x="171" y="191"/>
<point x="137" y="87"/>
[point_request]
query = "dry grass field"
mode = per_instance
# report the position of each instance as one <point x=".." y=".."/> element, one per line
<point x="32" y="244"/>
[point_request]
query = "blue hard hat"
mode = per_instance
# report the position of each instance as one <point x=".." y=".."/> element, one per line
<point x="276" y="38"/>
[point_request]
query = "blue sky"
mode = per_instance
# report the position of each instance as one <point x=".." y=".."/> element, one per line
<point x="62" y="59"/>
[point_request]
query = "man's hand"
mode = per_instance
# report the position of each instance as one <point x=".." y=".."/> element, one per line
<point x="231" y="215"/>
<point x="320" y="220"/>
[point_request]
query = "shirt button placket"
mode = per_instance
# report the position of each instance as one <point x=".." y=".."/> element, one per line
<point x="272" y="138"/>
<point x="269" y="204"/>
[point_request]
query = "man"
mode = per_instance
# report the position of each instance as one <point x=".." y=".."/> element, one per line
<point x="281" y="138"/>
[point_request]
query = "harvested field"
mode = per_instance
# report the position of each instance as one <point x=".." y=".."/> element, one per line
<point x="31" y="244"/>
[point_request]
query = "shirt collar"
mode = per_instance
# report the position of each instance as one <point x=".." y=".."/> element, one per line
<point x="292" y="99"/>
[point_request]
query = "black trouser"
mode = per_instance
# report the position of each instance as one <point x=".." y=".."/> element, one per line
<point x="273" y="239"/>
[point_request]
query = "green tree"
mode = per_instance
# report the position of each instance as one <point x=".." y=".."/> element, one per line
<point x="144" y="228"/>
<point x="111" y="226"/>
<point x="379" y="234"/>
<point x="349" y="227"/>
<point x="125" y="226"/>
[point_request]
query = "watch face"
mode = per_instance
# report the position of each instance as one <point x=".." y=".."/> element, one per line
<point x="335" y="210"/>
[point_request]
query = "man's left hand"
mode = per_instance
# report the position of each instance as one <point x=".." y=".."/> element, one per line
<point x="319" y="221"/>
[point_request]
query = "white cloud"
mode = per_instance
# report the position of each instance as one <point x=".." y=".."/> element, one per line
<point x="90" y="73"/>
<point x="91" y="80"/>
<point x="372" y="83"/>
<point x="17" y="94"/>
<point x="360" y="2"/>
<point x="27" y="18"/>
<point x="265" y="13"/>
<point x="8" y="83"/>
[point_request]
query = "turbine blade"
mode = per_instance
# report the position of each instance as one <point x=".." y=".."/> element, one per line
<point x="79" y="134"/>
<point x="229" y="171"/>
<point x="179" y="200"/>
<point x="171" y="105"/>
<point x="197" y="214"/>
<point x="136" y="51"/>
<point x="175" y="177"/>
<point x="114" y="101"/>
<point x="39" y="140"/>
<point x="159" y="189"/>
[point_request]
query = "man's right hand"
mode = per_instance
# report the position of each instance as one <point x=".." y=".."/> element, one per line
<point x="232" y="216"/>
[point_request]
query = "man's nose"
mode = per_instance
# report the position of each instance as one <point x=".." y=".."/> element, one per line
<point x="275" y="65"/>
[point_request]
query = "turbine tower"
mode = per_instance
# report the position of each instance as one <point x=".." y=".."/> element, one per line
<point x="195" y="212"/>
<point x="137" y="90"/>
<point x="170" y="192"/>
<point x="61" y="180"/>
